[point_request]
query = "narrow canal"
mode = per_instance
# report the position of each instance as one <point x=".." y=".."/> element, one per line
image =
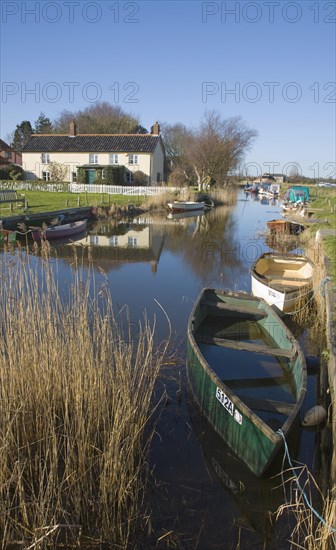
<point x="201" y="495"/>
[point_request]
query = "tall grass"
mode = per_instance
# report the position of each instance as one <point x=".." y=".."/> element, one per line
<point x="75" y="408"/>
<point x="312" y="529"/>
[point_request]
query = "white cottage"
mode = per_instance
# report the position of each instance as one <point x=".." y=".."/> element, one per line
<point x="92" y="153"/>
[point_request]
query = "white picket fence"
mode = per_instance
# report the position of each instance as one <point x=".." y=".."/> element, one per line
<point x="88" y="188"/>
<point x="121" y="189"/>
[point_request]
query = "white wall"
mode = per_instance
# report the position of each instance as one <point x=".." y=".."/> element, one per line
<point x="31" y="163"/>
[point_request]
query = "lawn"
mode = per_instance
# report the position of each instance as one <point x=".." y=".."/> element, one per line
<point x="43" y="201"/>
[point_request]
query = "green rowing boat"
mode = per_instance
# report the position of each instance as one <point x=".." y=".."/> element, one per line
<point x="247" y="373"/>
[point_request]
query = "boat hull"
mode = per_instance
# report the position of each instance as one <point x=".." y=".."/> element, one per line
<point x="285" y="227"/>
<point x="252" y="440"/>
<point x="59" y="231"/>
<point x="185" y="206"/>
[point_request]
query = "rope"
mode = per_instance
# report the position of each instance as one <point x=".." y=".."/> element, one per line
<point x="320" y="518"/>
<point x="321" y="288"/>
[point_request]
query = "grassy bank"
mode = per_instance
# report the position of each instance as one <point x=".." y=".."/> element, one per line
<point x="75" y="410"/>
<point x="43" y="201"/>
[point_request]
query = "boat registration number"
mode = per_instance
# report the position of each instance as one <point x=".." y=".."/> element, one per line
<point x="228" y="405"/>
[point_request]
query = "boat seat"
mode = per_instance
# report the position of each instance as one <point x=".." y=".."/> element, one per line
<point x="272" y="276"/>
<point x="256" y="383"/>
<point x="236" y="309"/>
<point x="246" y="346"/>
<point x="268" y="405"/>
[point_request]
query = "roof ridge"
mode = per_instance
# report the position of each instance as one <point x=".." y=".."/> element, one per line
<point x="77" y="135"/>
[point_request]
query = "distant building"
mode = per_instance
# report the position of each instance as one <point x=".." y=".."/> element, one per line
<point x="93" y="152"/>
<point x="271" y="178"/>
<point x="8" y="155"/>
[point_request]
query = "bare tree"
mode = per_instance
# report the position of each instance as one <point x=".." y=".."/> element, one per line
<point x="217" y="148"/>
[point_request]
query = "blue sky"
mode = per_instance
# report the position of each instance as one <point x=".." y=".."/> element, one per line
<point x="270" y="62"/>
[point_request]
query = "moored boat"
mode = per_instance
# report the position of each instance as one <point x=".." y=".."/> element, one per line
<point x="283" y="280"/>
<point x="58" y="231"/>
<point x="186" y="206"/>
<point x="246" y="372"/>
<point x="285" y="227"/>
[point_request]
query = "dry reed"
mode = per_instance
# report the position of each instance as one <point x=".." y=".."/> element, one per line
<point x="224" y="195"/>
<point x="311" y="529"/>
<point x="75" y="410"/>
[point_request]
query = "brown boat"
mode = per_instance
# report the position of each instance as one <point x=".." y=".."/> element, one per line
<point x="285" y="227"/>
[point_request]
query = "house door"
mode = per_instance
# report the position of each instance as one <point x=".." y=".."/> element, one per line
<point x="90" y="176"/>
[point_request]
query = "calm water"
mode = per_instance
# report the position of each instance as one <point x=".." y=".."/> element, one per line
<point x="203" y="497"/>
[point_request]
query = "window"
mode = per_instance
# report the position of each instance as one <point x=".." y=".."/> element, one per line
<point x="129" y="176"/>
<point x="132" y="242"/>
<point x="94" y="239"/>
<point x="114" y="241"/>
<point x="46" y="176"/>
<point x="45" y="158"/>
<point x="158" y="177"/>
<point x="132" y="159"/>
<point x="74" y="177"/>
<point x="93" y="159"/>
<point x="114" y="158"/>
<point x="8" y="155"/>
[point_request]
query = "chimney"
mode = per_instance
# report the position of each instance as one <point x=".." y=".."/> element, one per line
<point x="155" y="129"/>
<point x="72" y="129"/>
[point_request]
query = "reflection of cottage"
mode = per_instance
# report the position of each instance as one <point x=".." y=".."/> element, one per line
<point x="125" y="242"/>
<point x="95" y="154"/>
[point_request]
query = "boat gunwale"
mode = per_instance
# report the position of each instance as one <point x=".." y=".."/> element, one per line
<point x="243" y="407"/>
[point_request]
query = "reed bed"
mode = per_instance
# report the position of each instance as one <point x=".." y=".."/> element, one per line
<point x="75" y="411"/>
<point x="159" y="202"/>
<point x="312" y="528"/>
<point x="224" y="195"/>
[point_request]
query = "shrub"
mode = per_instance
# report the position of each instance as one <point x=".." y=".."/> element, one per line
<point x="5" y="172"/>
<point x="140" y="178"/>
<point x="114" y="175"/>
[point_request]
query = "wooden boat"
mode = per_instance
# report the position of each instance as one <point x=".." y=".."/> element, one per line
<point x="186" y="206"/>
<point x="58" y="231"/>
<point x="292" y="208"/>
<point x="246" y="372"/>
<point x="283" y="280"/>
<point x="285" y="227"/>
<point x="7" y="236"/>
